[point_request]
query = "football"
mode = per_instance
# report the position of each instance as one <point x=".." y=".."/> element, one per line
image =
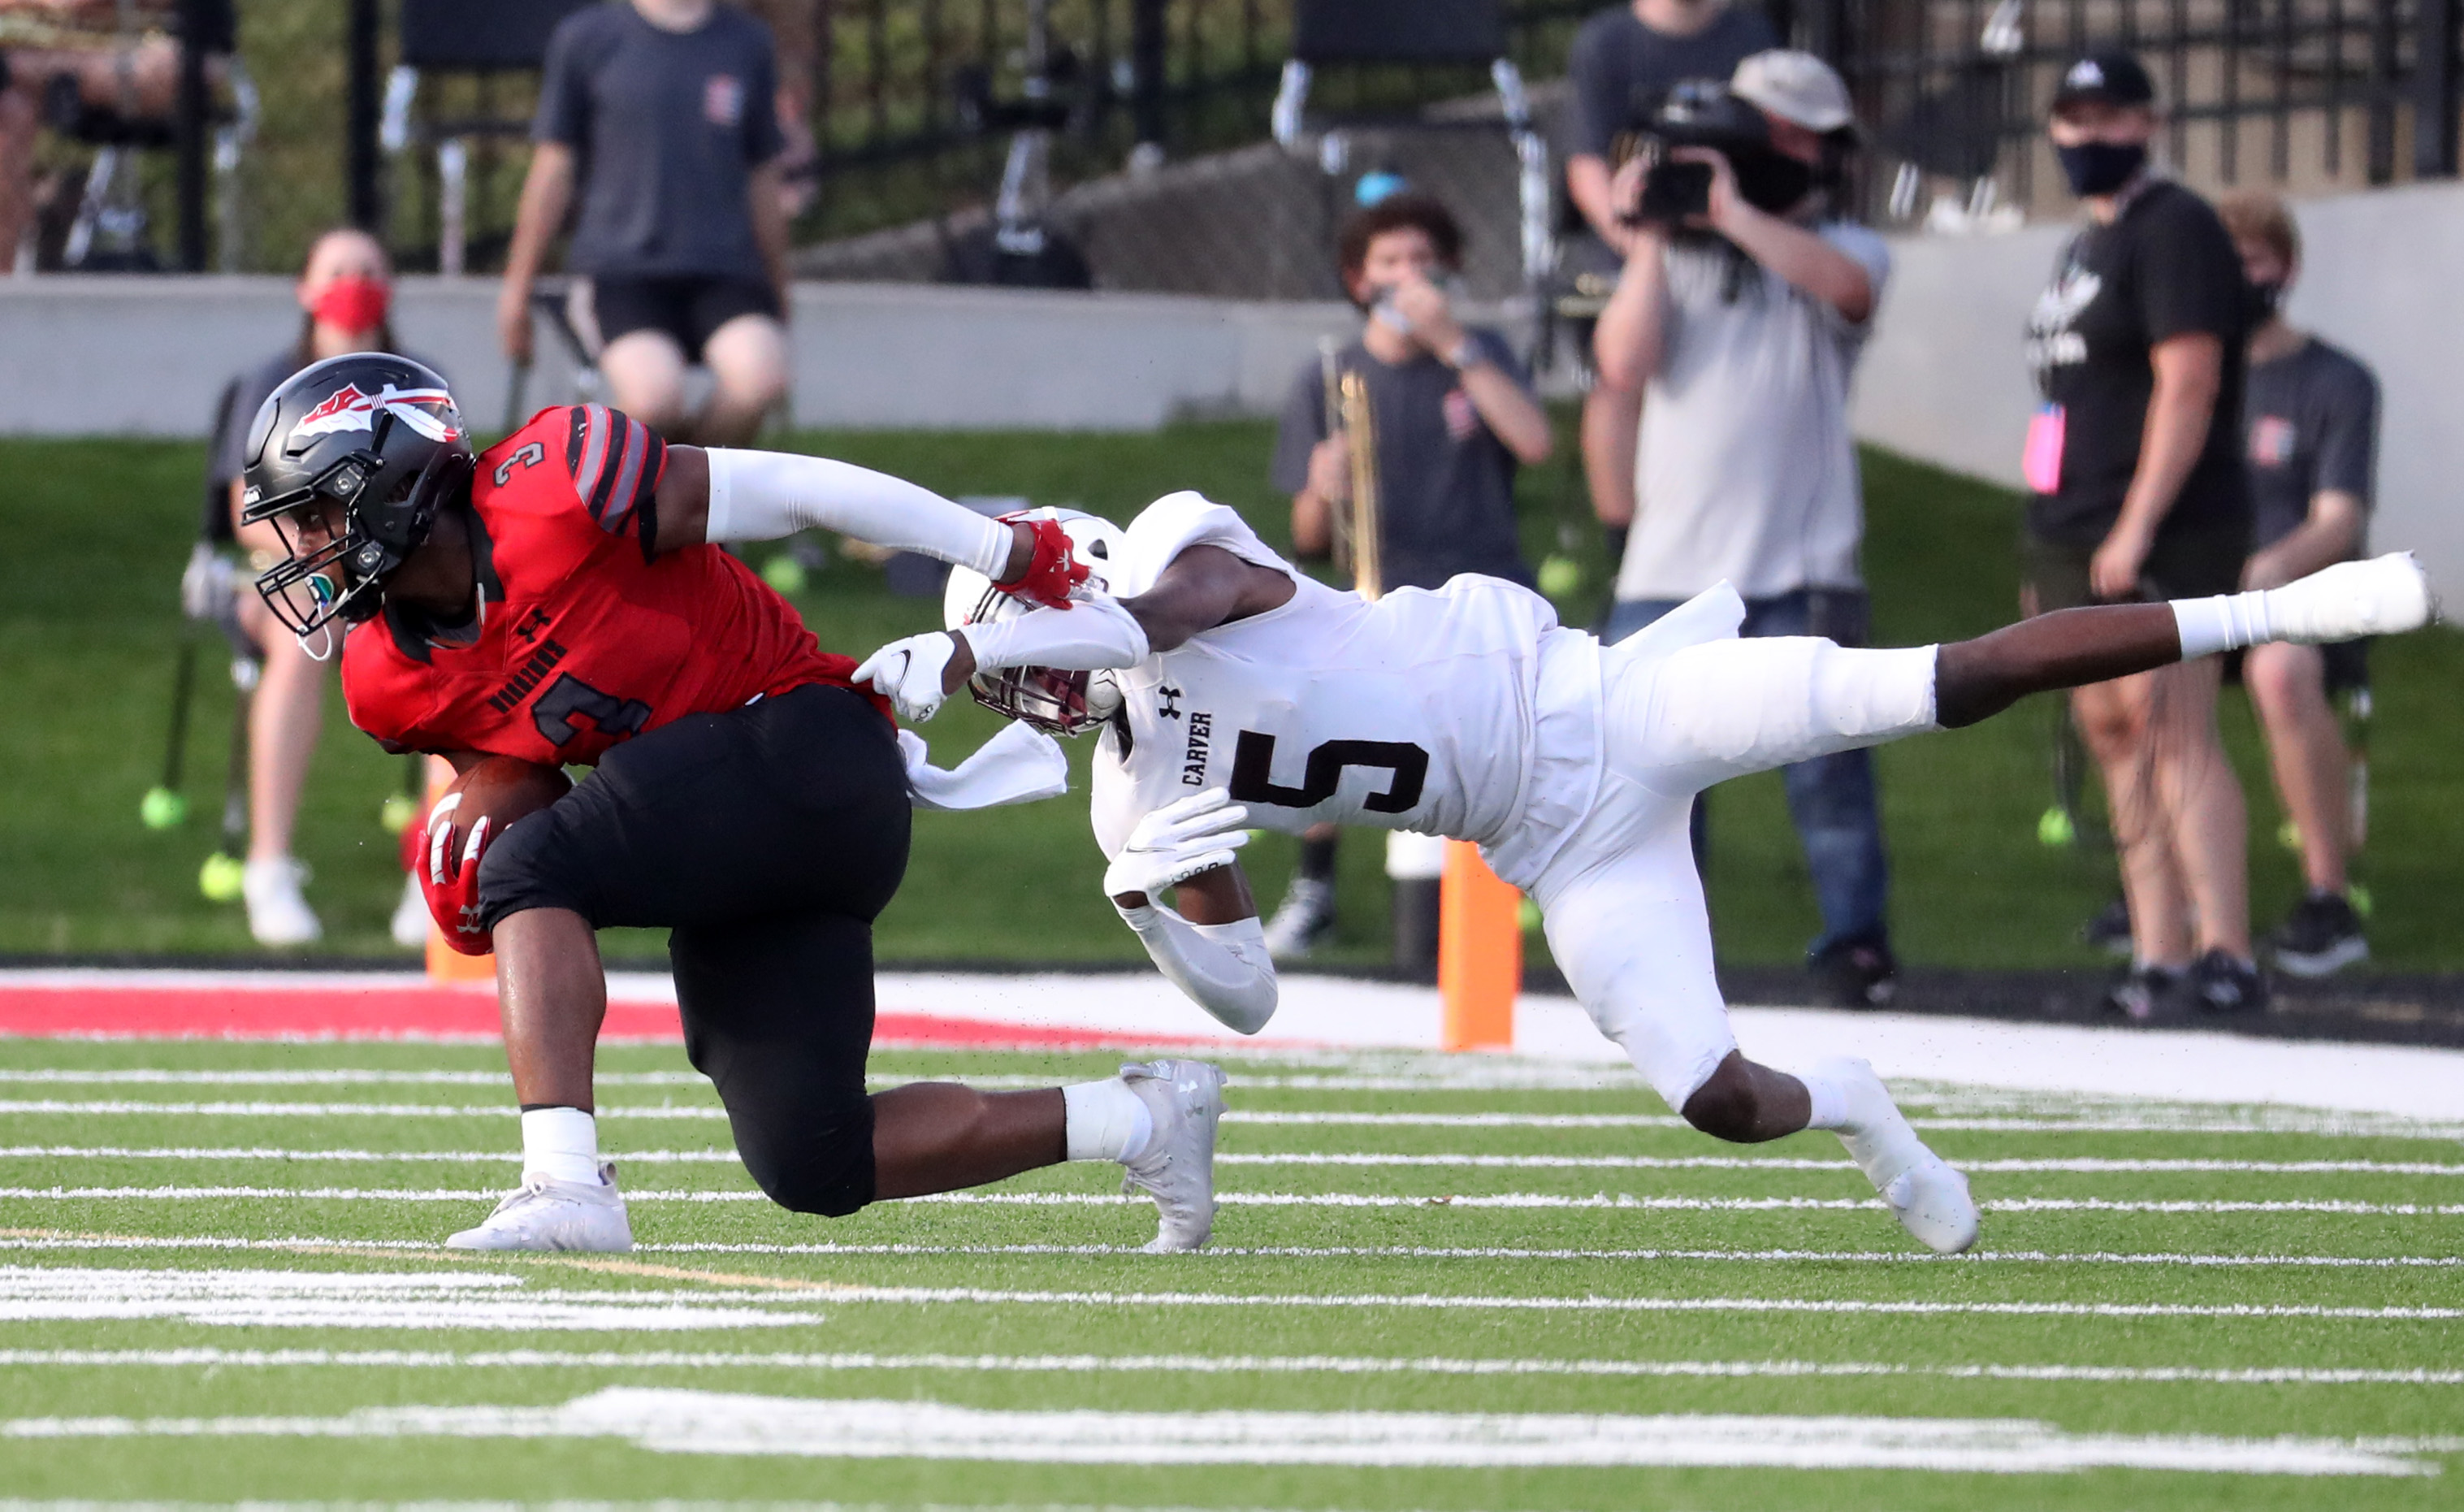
<point x="499" y="789"/>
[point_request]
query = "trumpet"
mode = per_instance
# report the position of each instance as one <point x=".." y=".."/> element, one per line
<point x="1348" y="414"/>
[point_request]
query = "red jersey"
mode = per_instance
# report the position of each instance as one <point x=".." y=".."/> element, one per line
<point x="585" y="637"/>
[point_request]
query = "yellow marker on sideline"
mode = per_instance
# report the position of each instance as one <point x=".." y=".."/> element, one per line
<point x="1479" y="952"/>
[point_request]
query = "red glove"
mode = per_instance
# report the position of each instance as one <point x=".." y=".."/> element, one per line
<point x="1052" y="572"/>
<point x="449" y="877"/>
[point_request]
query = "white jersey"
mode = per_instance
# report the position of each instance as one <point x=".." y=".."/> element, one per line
<point x="1419" y="711"/>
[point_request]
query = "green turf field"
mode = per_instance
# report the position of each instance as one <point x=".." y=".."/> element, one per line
<point x="88" y="620"/>
<point x="212" y="1294"/>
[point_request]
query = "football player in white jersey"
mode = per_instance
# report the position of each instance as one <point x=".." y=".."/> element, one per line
<point x="1231" y="690"/>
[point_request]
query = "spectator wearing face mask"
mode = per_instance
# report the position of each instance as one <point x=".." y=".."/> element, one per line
<point x="2310" y="420"/>
<point x="2135" y="462"/>
<point x="1453" y="417"/>
<point x="345" y="294"/>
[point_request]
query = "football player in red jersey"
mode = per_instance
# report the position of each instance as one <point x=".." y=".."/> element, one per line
<point x="560" y="599"/>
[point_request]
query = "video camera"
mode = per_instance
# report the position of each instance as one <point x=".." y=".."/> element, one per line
<point x="1703" y="114"/>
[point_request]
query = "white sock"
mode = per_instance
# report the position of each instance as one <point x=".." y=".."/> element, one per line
<point x="2226" y="623"/>
<point x="560" y="1143"/>
<point x="1829" y="1098"/>
<point x="1106" y="1120"/>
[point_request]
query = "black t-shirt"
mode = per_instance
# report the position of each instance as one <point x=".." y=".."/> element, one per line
<point x="1446" y="484"/>
<point x="1619" y="68"/>
<point x="2310" y="424"/>
<point x="2163" y="268"/>
<point x="669" y="127"/>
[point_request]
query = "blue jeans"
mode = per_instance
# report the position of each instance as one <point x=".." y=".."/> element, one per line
<point x="1831" y="799"/>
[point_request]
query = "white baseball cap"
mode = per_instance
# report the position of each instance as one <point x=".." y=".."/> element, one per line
<point x="1795" y="86"/>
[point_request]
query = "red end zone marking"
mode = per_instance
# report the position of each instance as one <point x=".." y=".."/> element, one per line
<point x="411" y="1013"/>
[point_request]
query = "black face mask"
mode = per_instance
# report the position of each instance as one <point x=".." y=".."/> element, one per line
<point x="1771" y="181"/>
<point x="2100" y="168"/>
<point x="2259" y="305"/>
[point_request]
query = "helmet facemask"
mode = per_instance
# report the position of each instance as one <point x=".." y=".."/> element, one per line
<point x="1052" y="699"/>
<point x="343" y="578"/>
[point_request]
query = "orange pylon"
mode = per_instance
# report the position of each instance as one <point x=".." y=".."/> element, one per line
<point x="1480" y="952"/>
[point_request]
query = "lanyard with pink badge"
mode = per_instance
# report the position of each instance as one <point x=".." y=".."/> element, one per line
<point x="2040" y="461"/>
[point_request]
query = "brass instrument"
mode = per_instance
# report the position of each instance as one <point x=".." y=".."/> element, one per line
<point x="1354" y="530"/>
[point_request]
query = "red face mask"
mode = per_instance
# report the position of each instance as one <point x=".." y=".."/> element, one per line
<point x="354" y="303"/>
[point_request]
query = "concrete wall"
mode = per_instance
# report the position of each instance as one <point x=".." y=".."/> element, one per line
<point x="1944" y="380"/>
<point x="148" y="355"/>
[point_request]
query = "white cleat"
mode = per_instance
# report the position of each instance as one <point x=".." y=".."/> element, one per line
<point x="276" y="913"/>
<point x="545" y="1213"/>
<point x="2384" y="596"/>
<point x="1927" y="1196"/>
<point x="409" y="923"/>
<point x="1178" y="1168"/>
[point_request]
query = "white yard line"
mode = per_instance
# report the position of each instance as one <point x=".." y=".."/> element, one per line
<point x="2255" y="1122"/>
<point x="707" y="1423"/>
<point x="2079" y="1165"/>
<point x="1415" y="1252"/>
<point x="1204" y="1365"/>
<point x="469" y="1299"/>
<point x="1262" y="1199"/>
<point x="341" y="1298"/>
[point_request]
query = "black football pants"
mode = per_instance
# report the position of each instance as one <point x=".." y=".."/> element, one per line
<point x="765" y="840"/>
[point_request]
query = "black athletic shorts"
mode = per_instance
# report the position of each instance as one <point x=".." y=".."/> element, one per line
<point x="2346" y="666"/>
<point x="765" y="840"/>
<point x="2198" y="562"/>
<point x="687" y="308"/>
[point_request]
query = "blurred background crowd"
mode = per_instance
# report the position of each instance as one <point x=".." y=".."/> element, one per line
<point x="1645" y="243"/>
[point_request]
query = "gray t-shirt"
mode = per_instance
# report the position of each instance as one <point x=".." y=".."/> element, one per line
<point x="2310" y="424"/>
<point x="669" y="127"/>
<point x="1748" y="469"/>
<point x="1446" y="484"/>
<point x="1619" y="68"/>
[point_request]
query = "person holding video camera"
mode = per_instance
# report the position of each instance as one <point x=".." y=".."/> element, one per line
<point x="1742" y="308"/>
<point x="1624" y="62"/>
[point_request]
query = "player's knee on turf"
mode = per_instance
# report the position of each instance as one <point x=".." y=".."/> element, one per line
<point x="808" y="1155"/>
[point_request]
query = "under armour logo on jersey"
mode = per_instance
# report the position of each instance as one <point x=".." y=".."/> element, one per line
<point x="1171" y="709"/>
<point x="532" y="624"/>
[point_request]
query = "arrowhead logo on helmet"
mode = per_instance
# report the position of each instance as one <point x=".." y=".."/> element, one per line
<point x="346" y="408"/>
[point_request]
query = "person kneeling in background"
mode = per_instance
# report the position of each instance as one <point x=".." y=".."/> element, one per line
<point x="1454" y="415"/>
<point x="2310" y="435"/>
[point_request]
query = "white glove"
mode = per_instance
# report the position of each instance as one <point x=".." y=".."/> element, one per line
<point x="909" y="673"/>
<point x="1176" y="841"/>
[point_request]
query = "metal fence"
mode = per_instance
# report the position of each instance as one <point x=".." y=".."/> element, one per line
<point x="2303" y="94"/>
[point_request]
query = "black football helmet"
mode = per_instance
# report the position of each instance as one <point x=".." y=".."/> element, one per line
<point x="379" y="435"/>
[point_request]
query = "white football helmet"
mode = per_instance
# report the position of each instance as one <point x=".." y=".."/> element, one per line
<point x="1065" y="703"/>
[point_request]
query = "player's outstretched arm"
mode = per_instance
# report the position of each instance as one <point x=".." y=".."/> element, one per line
<point x="725" y="494"/>
<point x="1205" y="586"/>
<point x="1213" y="946"/>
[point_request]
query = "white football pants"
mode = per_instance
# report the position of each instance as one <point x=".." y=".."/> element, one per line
<point x="1623" y="902"/>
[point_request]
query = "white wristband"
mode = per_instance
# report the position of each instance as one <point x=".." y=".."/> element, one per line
<point x="762" y="496"/>
<point x="1095" y="633"/>
<point x="1223" y="967"/>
